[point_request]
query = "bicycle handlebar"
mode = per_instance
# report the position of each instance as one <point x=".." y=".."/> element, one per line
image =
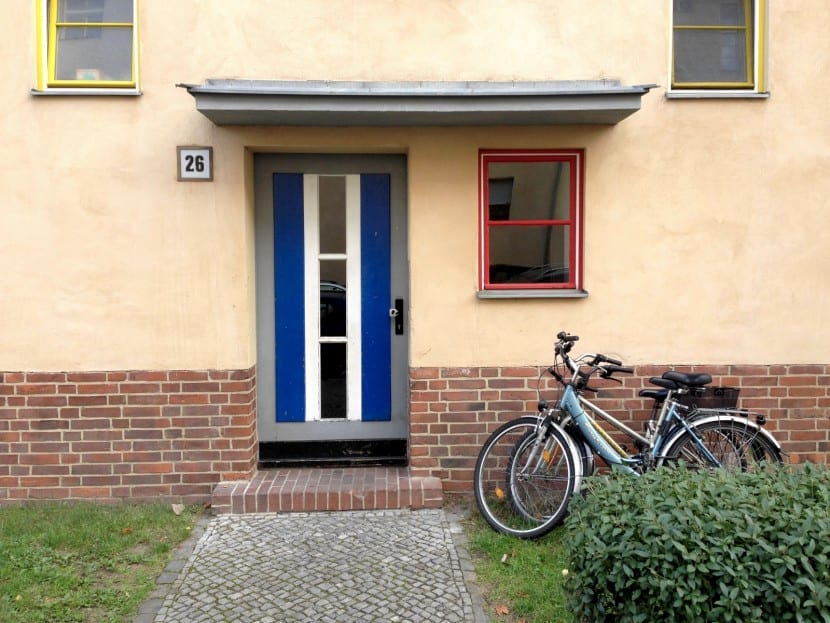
<point x="594" y="360"/>
<point x="611" y="369"/>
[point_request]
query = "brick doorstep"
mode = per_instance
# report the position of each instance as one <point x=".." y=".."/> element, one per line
<point x="327" y="489"/>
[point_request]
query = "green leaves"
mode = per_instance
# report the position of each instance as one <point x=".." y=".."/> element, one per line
<point x="677" y="545"/>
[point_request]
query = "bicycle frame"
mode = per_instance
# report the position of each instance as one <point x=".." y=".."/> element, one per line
<point x="571" y="402"/>
<point x="575" y="405"/>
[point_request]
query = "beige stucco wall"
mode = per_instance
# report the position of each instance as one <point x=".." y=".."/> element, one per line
<point x="704" y="230"/>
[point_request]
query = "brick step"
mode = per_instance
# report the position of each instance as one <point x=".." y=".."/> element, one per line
<point x="310" y="489"/>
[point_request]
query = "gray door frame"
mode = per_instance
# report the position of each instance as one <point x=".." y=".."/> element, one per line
<point x="265" y="165"/>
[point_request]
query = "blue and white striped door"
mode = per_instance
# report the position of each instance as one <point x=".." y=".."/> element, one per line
<point x="332" y="296"/>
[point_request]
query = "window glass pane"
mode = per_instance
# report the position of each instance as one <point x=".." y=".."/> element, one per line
<point x="333" y="276"/>
<point x="333" y="298"/>
<point x="333" y="392"/>
<point x="710" y="56"/>
<point x="529" y="254"/>
<point x="709" y="12"/>
<point x="85" y="11"/>
<point x="333" y="325"/>
<point x="94" y="54"/>
<point x="529" y="191"/>
<point x="332" y="214"/>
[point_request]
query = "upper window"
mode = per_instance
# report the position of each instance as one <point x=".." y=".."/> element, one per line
<point x="717" y="44"/>
<point x="531" y="220"/>
<point x="88" y="44"/>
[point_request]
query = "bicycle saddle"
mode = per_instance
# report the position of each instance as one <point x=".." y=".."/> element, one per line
<point x="659" y="395"/>
<point x="689" y="380"/>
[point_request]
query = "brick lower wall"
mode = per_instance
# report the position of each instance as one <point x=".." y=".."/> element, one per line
<point x="174" y="434"/>
<point x="453" y="410"/>
<point x="165" y="434"/>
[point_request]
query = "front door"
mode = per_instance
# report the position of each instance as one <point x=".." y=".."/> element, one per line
<point x="332" y="291"/>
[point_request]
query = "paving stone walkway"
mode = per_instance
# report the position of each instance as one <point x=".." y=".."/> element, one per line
<point x="392" y="566"/>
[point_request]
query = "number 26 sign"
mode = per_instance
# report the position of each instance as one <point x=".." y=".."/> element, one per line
<point x="195" y="164"/>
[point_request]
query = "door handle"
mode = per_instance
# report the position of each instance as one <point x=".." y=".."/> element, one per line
<point x="397" y="314"/>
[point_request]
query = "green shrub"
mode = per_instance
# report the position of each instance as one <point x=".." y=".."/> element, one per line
<point x="678" y="545"/>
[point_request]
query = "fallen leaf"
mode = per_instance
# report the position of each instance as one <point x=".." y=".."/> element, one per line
<point x="501" y="610"/>
<point x="126" y="531"/>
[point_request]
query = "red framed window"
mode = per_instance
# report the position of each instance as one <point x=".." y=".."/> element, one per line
<point x="531" y="219"/>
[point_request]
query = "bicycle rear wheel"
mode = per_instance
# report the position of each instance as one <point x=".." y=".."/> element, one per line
<point x="735" y="444"/>
<point x="523" y="481"/>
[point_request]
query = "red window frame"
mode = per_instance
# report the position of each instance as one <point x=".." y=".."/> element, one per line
<point x="576" y="159"/>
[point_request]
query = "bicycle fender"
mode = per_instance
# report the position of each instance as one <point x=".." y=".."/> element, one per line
<point x="575" y="454"/>
<point x="584" y="448"/>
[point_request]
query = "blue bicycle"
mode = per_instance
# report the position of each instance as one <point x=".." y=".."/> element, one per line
<point x="529" y="468"/>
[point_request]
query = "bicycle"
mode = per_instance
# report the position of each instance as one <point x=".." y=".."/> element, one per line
<point x="529" y="468"/>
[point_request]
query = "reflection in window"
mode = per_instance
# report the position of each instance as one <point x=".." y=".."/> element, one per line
<point x="530" y="254"/>
<point x="530" y="219"/>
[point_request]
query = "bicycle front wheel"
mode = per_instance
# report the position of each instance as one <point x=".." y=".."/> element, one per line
<point x="524" y="478"/>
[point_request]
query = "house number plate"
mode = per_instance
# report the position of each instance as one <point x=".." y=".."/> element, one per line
<point x="195" y="164"/>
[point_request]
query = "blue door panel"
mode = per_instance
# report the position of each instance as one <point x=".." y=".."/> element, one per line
<point x="375" y="278"/>
<point x="289" y="297"/>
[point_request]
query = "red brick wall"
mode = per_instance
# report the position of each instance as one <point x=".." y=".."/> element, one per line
<point x="173" y="435"/>
<point x="168" y="435"/>
<point x="455" y="409"/>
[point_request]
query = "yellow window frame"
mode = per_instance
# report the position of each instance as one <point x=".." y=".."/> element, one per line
<point x="753" y="29"/>
<point x="47" y="16"/>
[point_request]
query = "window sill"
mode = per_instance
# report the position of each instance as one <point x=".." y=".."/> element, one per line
<point x="71" y="91"/>
<point x="694" y="94"/>
<point x="532" y="294"/>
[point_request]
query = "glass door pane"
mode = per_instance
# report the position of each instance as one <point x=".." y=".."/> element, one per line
<point x="332" y="260"/>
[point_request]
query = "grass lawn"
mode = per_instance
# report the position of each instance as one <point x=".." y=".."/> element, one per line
<point x="521" y="580"/>
<point x="84" y="562"/>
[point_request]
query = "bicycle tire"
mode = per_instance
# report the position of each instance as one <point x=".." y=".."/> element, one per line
<point x="521" y="495"/>
<point x="735" y="443"/>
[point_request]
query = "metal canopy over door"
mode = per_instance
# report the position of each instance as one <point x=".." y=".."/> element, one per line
<point x="331" y="291"/>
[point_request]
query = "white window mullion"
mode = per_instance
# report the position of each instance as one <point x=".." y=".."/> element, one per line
<point x="311" y="240"/>
<point x="353" y="300"/>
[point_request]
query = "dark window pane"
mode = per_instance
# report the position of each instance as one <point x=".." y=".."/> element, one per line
<point x="500" y="196"/>
<point x="709" y="12"/>
<point x="529" y="190"/>
<point x="710" y="56"/>
<point x="332" y="307"/>
<point x="529" y="254"/>
<point x="333" y="387"/>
